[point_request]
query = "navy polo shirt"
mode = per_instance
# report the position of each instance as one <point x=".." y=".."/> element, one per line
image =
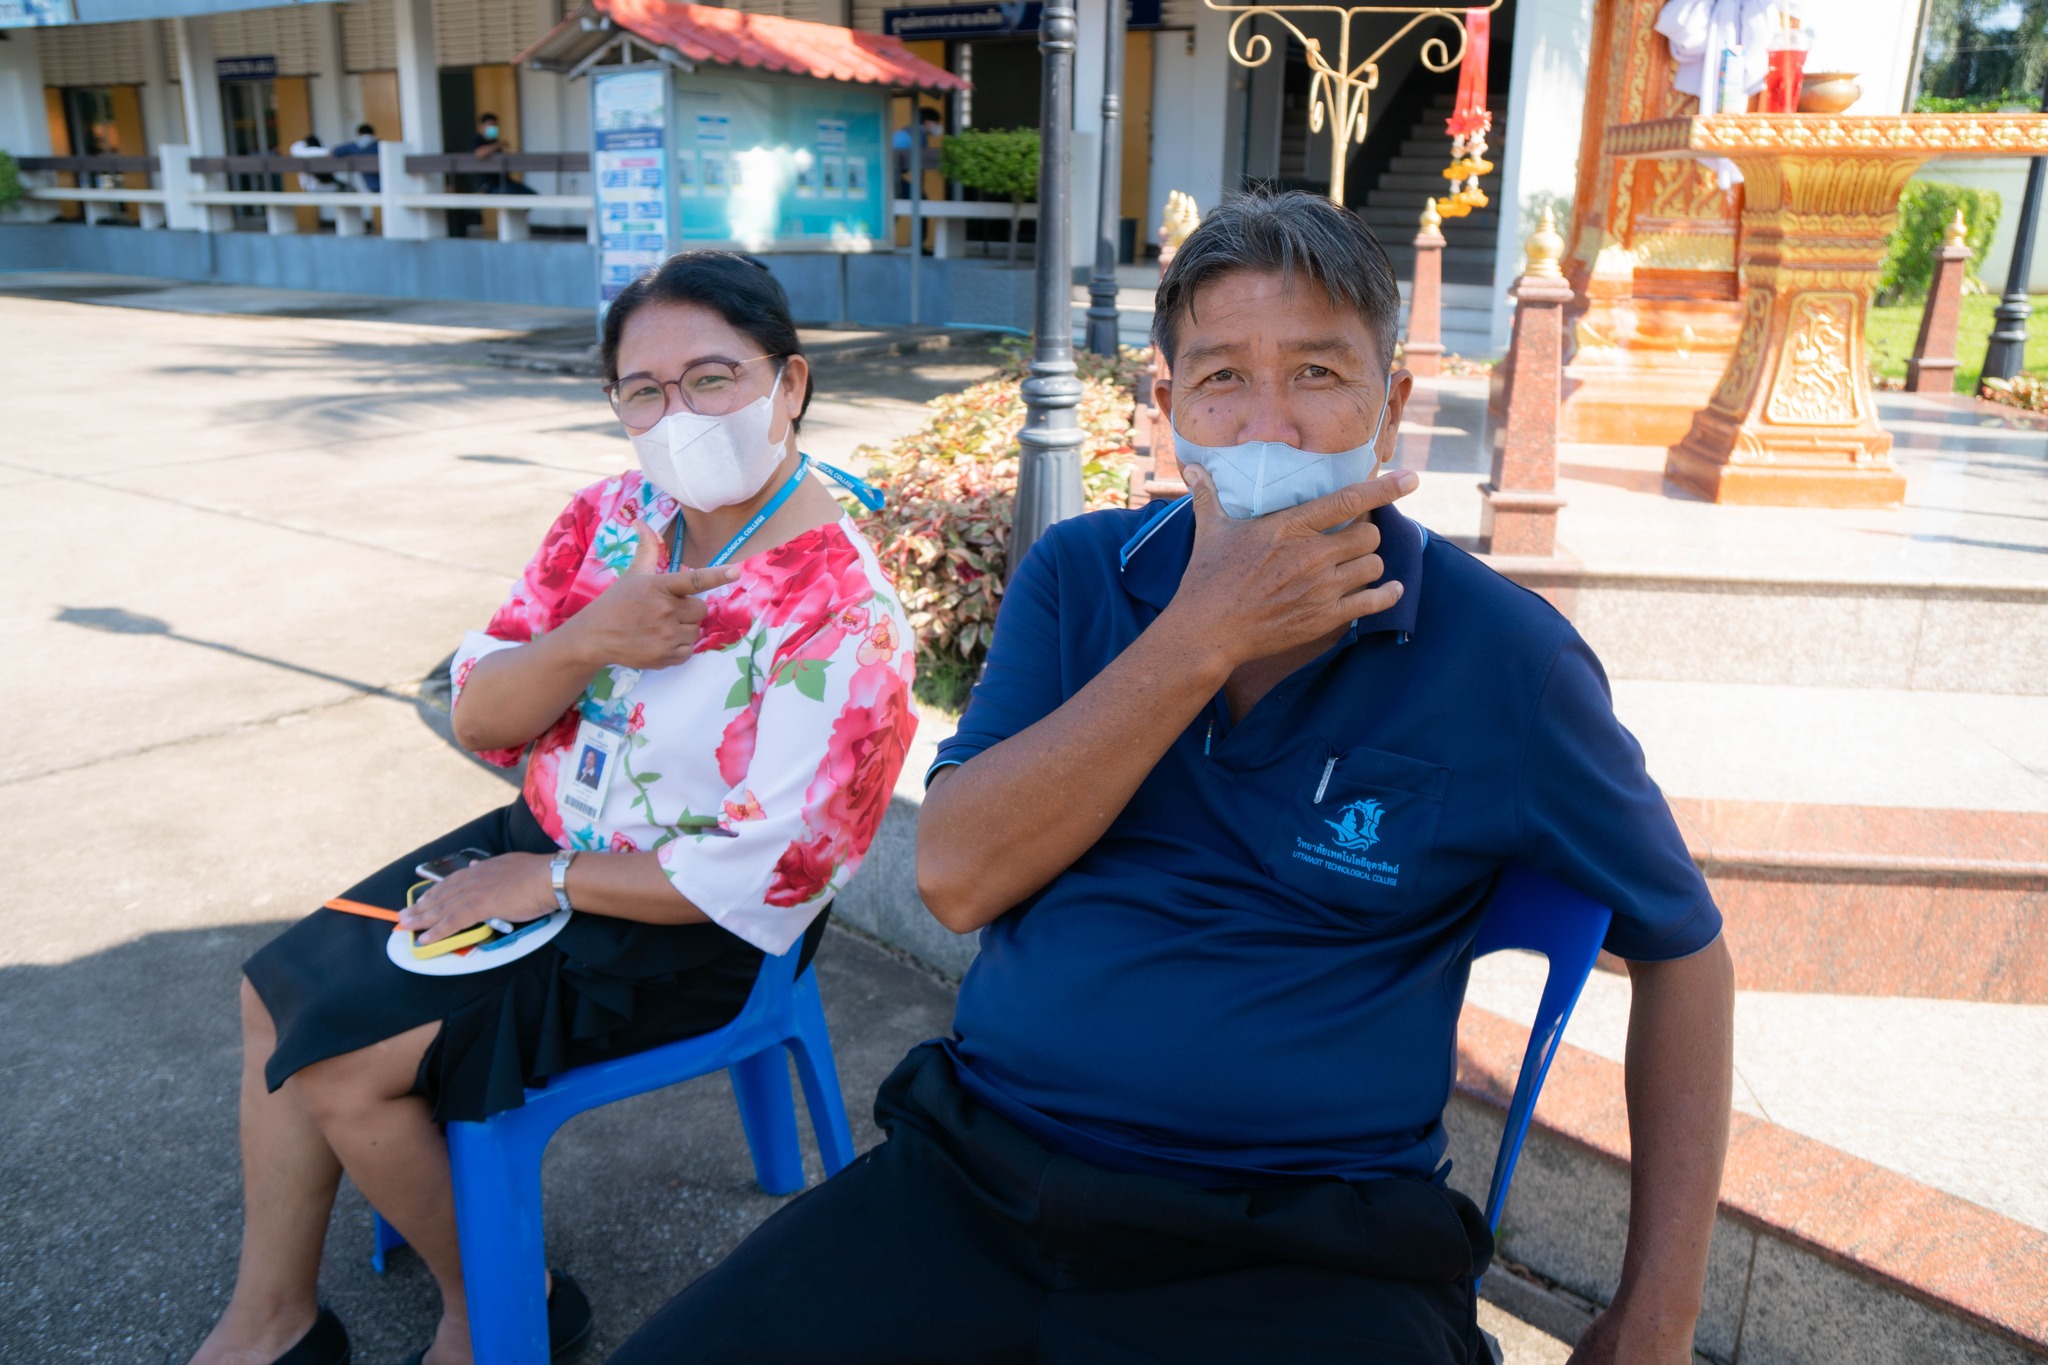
<point x="1255" y="974"/>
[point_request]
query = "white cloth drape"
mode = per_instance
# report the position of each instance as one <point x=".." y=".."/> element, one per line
<point x="1700" y="30"/>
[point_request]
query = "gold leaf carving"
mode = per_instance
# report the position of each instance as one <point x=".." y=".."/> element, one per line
<point x="1738" y="381"/>
<point x="1685" y="251"/>
<point x="1816" y="385"/>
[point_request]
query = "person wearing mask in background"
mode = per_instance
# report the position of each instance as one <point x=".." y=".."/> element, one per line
<point x="487" y="144"/>
<point x="718" y="827"/>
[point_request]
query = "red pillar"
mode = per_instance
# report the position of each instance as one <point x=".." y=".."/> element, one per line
<point x="1933" y="366"/>
<point x="1423" y="350"/>
<point x="1519" y="508"/>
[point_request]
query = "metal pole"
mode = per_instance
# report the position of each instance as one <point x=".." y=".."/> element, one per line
<point x="1049" y="465"/>
<point x="916" y="207"/>
<point x="1109" y="200"/>
<point x="2007" y="353"/>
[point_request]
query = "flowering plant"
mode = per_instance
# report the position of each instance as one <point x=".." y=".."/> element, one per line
<point x="952" y="484"/>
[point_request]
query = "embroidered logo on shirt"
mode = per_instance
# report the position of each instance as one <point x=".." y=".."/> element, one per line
<point x="1356" y="830"/>
<point x="1357" y="826"/>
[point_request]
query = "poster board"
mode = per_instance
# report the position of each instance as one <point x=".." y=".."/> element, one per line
<point x="764" y="163"/>
<point x="629" y="122"/>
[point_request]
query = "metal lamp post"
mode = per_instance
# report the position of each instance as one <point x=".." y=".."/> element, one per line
<point x="2007" y="353"/>
<point x="1049" y="467"/>
<point x="1102" y="319"/>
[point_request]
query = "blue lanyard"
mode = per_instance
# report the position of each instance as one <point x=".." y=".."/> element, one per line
<point x="869" y="495"/>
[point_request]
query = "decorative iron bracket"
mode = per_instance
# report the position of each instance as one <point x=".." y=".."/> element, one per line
<point x="1340" y="90"/>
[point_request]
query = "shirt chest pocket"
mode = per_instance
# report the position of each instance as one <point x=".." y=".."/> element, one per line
<point x="1357" y="831"/>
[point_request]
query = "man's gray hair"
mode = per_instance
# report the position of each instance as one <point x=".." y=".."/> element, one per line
<point x="1279" y="234"/>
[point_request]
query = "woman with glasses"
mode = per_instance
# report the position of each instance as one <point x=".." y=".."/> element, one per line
<point x="709" y="677"/>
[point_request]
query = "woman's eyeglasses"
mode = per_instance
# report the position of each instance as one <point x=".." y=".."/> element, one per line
<point x="709" y="388"/>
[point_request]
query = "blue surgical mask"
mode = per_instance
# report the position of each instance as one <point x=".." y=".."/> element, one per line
<point x="1257" y="477"/>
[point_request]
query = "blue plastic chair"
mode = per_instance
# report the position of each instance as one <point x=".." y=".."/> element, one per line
<point x="496" y="1163"/>
<point x="1528" y="910"/>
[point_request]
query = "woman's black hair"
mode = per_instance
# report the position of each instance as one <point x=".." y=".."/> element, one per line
<point x="738" y="288"/>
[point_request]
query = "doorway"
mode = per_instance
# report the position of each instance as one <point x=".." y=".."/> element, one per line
<point x="250" y="108"/>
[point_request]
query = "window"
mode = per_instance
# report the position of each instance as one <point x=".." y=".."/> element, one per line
<point x="1982" y="54"/>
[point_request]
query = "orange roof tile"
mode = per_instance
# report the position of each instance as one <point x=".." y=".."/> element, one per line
<point x="765" y="42"/>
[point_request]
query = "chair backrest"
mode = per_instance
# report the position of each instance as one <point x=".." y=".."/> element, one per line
<point x="1529" y="910"/>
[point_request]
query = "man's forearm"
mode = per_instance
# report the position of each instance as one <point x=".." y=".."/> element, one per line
<point x="1680" y="1069"/>
<point x="998" y="828"/>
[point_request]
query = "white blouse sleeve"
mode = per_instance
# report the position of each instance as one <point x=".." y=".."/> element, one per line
<point x="811" y="757"/>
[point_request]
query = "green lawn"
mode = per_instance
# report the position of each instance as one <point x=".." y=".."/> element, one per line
<point x="1892" y="331"/>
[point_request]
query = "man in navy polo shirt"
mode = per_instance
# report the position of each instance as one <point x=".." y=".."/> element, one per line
<point x="1226" y="807"/>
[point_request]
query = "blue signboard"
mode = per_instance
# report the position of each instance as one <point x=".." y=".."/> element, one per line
<point x="246" y="68"/>
<point x="34" y="13"/>
<point x="1002" y="19"/>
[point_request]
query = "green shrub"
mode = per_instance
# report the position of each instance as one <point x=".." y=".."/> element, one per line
<point x="1925" y="211"/>
<point x="994" y="161"/>
<point x="1975" y="104"/>
<point x="11" y="192"/>
<point x="952" y="485"/>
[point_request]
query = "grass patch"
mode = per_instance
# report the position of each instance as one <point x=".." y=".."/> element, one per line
<point x="1892" y="331"/>
<point x="944" y="684"/>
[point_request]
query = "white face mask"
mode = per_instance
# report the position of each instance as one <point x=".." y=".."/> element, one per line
<point x="1257" y="477"/>
<point x="710" y="462"/>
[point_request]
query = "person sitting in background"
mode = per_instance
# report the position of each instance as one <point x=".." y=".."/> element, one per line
<point x="317" y="182"/>
<point x="365" y="144"/>
<point x="722" y="822"/>
<point x="486" y="144"/>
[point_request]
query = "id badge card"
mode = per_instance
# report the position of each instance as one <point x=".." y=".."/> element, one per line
<point x="586" y="773"/>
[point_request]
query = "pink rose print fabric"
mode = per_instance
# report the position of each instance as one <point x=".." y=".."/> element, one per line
<point x="759" y="770"/>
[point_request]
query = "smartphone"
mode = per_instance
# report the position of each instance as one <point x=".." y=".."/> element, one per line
<point x="436" y="869"/>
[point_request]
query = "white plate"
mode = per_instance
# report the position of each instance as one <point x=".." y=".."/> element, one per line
<point x="398" y="947"/>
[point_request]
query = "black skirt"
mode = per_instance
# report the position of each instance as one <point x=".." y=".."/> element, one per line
<point x="601" y="988"/>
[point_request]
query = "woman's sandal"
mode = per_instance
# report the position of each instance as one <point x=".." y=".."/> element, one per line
<point x="569" y="1321"/>
<point x="325" y="1343"/>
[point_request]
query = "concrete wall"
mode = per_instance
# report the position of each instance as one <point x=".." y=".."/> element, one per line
<point x="822" y="287"/>
<point x="2008" y="176"/>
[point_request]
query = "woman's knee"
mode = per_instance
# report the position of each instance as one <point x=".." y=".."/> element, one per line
<point x="344" y="1085"/>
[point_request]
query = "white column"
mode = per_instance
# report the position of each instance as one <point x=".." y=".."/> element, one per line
<point x="1191" y="100"/>
<point x="330" y="119"/>
<point x="419" y="108"/>
<point x="1085" y="178"/>
<point x="205" y="129"/>
<point x="163" y="118"/>
<point x="24" y="124"/>
<point x="419" y="75"/>
<point x="1536" y="153"/>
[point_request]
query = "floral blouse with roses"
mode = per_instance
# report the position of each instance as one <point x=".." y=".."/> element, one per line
<point x="787" y="725"/>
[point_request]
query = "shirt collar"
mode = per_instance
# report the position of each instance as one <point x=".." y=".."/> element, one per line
<point x="1154" y="559"/>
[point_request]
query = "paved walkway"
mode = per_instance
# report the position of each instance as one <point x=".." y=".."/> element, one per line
<point x="234" y="544"/>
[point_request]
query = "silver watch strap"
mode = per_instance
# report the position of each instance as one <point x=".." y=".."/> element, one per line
<point x="558" y="876"/>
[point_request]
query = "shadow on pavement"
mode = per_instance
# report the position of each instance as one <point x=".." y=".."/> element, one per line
<point x="120" y="1199"/>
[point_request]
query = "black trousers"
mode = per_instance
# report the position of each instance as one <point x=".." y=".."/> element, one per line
<point x="961" y="1239"/>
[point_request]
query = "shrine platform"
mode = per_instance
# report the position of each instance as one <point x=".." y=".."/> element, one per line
<point x="1945" y="592"/>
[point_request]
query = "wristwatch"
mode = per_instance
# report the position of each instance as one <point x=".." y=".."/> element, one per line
<point x="558" y="876"/>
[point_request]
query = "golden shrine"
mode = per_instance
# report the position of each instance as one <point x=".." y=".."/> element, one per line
<point x="1791" y="421"/>
<point x="1728" y="324"/>
<point x="1650" y="255"/>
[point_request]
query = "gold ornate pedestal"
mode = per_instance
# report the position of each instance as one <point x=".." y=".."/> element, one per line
<point x="1791" y="422"/>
